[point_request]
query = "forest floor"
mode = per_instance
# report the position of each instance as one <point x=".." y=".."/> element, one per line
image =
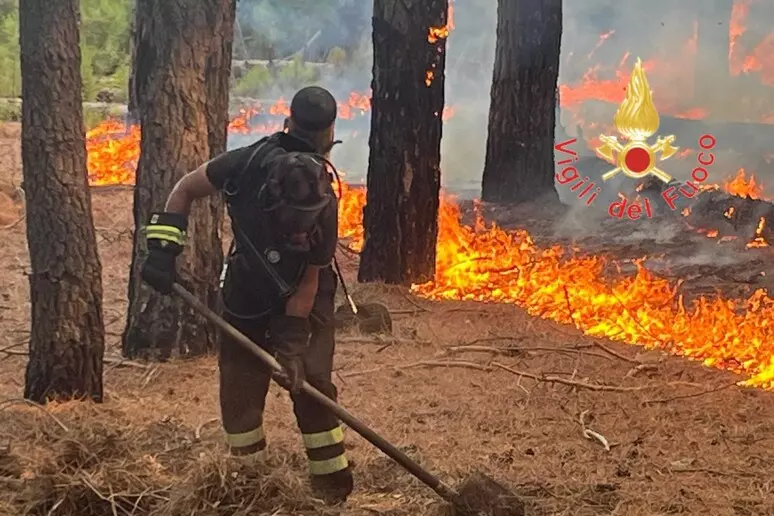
<point x="682" y="438"/>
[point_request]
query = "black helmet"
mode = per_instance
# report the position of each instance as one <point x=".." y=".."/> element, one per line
<point x="313" y="109"/>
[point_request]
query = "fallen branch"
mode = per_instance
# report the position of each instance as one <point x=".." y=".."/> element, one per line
<point x="687" y="396"/>
<point x="639" y="368"/>
<point x="380" y="340"/>
<point x="489" y="339"/>
<point x="421" y="363"/>
<point x="122" y="362"/>
<point x="510" y="351"/>
<point x="615" y="353"/>
<point x="571" y="383"/>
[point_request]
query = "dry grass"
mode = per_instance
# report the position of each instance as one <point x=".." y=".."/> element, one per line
<point x="464" y="388"/>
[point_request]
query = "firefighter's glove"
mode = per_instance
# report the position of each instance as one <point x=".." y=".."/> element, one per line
<point x="290" y="338"/>
<point x="165" y="235"/>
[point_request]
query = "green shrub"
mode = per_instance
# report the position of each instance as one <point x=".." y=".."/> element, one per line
<point x="10" y="111"/>
<point x="10" y="79"/>
<point x="255" y="82"/>
<point x="337" y="57"/>
<point x="296" y="75"/>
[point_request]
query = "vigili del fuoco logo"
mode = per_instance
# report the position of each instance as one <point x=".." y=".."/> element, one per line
<point x="636" y="120"/>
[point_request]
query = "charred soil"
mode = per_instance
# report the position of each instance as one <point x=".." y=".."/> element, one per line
<point x="573" y="425"/>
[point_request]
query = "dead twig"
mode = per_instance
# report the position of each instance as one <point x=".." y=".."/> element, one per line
<point x="380" y="340"/>
<point x="639" y="368"/>
<point x="422" y="363"/>
<point x="414" y="303"/>
<point x="198" y="432"/>
<point x="636" y="320"/>
<point x="615" y="353"/>
<point x="15" y="223"/>
<point x="20" y="401"/>
<point x="591" y="434"/>
<point x="8" y="350"/>
<point x="512" y="350"/>
<point x="123" y="362"/>
<point x="687" y="396"/>
<point x="571" y="383"/>
<point x="488" y="339"/>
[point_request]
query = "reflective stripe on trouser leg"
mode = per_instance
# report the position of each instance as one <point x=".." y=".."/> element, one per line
<point x="323" y="439"/>
<point x="245" y="439"/>
<point x="325" y="451"/>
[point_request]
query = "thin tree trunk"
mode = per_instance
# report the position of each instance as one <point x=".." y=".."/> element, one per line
<point x="180" y="45"/>
<point x="519" y="164"/>
<point x="404" y="176"/>
<point x="67" y="339"/>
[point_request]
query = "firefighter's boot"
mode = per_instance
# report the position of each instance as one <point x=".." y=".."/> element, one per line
<point x="333" y="488"/>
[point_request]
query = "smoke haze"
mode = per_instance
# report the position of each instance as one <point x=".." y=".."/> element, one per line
<point x="661" y="32"/>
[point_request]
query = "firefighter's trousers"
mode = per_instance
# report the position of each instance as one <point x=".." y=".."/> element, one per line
<point x="245" y="380"/>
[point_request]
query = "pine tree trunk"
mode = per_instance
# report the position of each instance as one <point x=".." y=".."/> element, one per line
<point x="132" y="115"/>
<point x="519" y="163"/>
<point x="222" y="14"/>
<point x="180" y="45"/>
<point x="67" y="339"/>
<point x="404" y="176"/>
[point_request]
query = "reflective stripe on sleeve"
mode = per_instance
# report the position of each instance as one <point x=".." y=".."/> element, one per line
<point x="326" y="467"/>
<point x="323" y="439"/>
<point x="246" y="438"/>
<point x="168" y="233"/>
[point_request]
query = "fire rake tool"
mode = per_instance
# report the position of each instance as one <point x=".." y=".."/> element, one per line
<point x="479" y="495"/>
<point x="368" y="317"/>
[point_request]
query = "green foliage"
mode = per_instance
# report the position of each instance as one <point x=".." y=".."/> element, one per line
<point x="270" y="29"/>
<point x="256" y="82"/>
<point x="337" y="56"/>
<point x="105" y="44"/>
<point x="10" y="111"/>
<point x="88" y="76"/>
<point x="10" y="79"/>
<point x="260" y="80"/>
<point x="105" y="28"/>
<point x="93" y="116"/>
<point x="296" y="75"/>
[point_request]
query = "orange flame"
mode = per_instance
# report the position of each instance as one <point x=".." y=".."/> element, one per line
<point x="489" y="264"/>
<point x="759" y="241"/>
<point x="741" y="186"/>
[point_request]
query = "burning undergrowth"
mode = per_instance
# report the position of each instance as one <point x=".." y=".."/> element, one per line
<point x="487" y="263"/>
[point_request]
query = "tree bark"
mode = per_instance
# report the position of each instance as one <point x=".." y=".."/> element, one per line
<point x="519" y="163"/>
<point x="67" y="339"/>
<point x="132" y="116"/>
<point x="401" y="214"/>
<point x="181" y="71"/>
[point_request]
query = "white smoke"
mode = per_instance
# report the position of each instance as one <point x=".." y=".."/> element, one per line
<point x="658" y="30"/>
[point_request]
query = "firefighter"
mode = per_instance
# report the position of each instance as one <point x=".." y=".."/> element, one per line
<point x="284" y="214"/>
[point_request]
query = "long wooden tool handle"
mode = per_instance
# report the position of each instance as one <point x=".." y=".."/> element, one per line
<point x="372" y="437"/>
